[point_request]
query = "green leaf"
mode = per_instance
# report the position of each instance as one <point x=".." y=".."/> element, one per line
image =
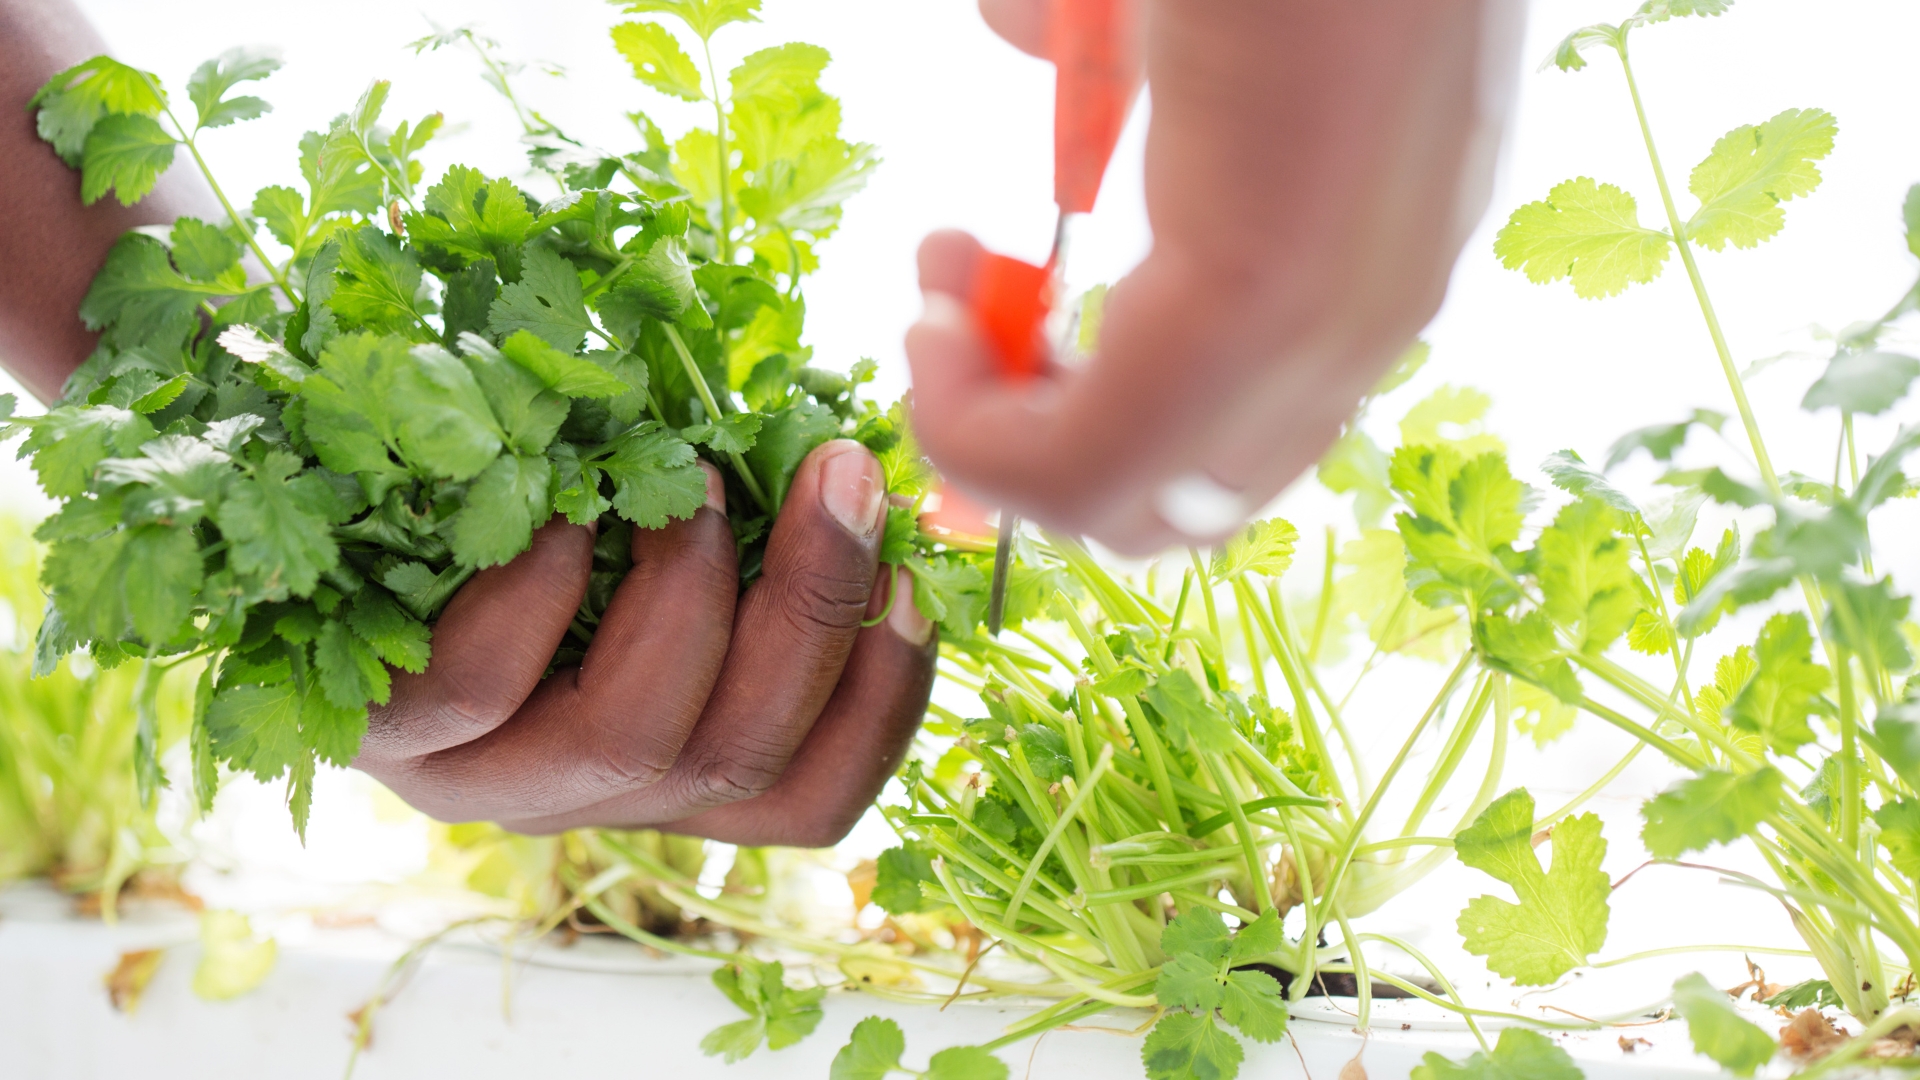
<point x="1785" y="691"/>
<point x="1561" y="917"/>
<point x="1520" y="1054"/>
<point x="1717" y="1028"/>
<point x="283" y="210"/>
<point x="1526" y="648"/>
<point x="350" y="672"/>
<point x="373" y="397"/>
<point x="1584" y="231"/>
<point x="140" y="296"/>
<point x="654" y="477"/>
<point x="1567" y="54"/>
<point x="1899" y="823"/>
<point x="1189" y="1046"/>
<point x="872" y="1052"/>
<point x="1251" y="1001"/>
<point x="658" y="60"/>
<point x="703" y="17"/>
<point x="421" y="591"/>
<point x="528" y="415"/>
<point x="1896" y="738"/>
<point x="278" y="524"/>
<point x="378" y="284"/>
<point x="474" y="217"/>
<point x="1189" y="982"/>
<point x="1356" y="464"/>
<point x="210" y="82"/>
<point x="1657" y="11"/>
<point x="1587" y="589"/>
<point x="1198" y="931"/>
<point x="142" y="579"/>
<point x="73" y="101"/>
<point x="731" y="434"/>
<point x="950" y="591"/>
<point x="126" y="154"/>
<point x="1191" y="722"/>
<point x="546" y="302"/>
<point x="1867" y="619"/>
<point x="1577" y="478"/>
<point x="256" y="728"/>
<point x="1714" y="807"/>
<point x="1661" y="441"/>
<point x="68" y="443"/>
<point x="658" y="286"/>
<point x="785" y="439"/>
<point x="1463" y="516"/>
<point x="1810" y="994"/>
<point x="896" y="887"/>
<point x="781" y="1015"/>
<point x="732" y="1042"/>
<point x="396" y="637"/>
<point x="563" y="374"/>
<point x="1263" y="547"/>
<point x="1697" y="570"/>
<point x="1046" y="753"/>
<point x="201" y="251"/>
<point x="1260" y="938"/>
<point x="1867" y="382"/>
<point x="1751" y="171"/>
<point x="504" y="505"/>
<point x="965" y="1063"/>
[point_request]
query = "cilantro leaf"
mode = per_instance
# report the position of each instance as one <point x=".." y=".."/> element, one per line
<point x="68" y="443"/>
<point x="1751" y="171"/>
<point x="504" y="504"/>
<point x="374" y="398"/>
<point x="1463" y="516"/>
<point x="142" y="579"/>
<point x="278" y="526"/>
<point x="378" y="284"/>
<point x="1190" y="721"/>
<point x="779" y="1015"/>
<point x="1519" y="1055"/>
<point x="1899" y="822"/>
<point x="871" y="1053"/>
<point x="734" y="433"/>
<point x="1526" y="648"/>
<point x="396" y="637"/>
<point x="1587" y="232"/>
<point x="1785" y="690"/>
<point x="1190" y="1046"/>
<point x="1252" y="1002"/>
<point x="350" y="672"/>
<point x="474" y="217"/>
<point x="951" y="591"/>
<point x="73" y="101"/>
<point x="658" y="60"/>
<point x="1661" y="441"/>
<point x="1586" y="586"/>
<point x="1188" y="981"/>
<point x="703" y="17"/>
<point x="1263" y="547"/>
<point x="1867" y="619"/>
<point x="208" y="86"/>
<point x="1198" y="931"/>
<point x="1561" y="917"/>
<point x="563" y="374"/>
<point x="785" y="438"/>
<point x="655" y="479"/>
<point x="896" y="886"/>
<point x="140" y="296"/>
<point x="201" y="251"/>
<point x="1717" y="1028"/>
<point x="256" y="728"/>
<point x="965" y="1063"/>
<point x="1714" y="807"/>
<point x="1863" y="382"/>
<point x="546" y="301"/>
<point x="124" y="154"/>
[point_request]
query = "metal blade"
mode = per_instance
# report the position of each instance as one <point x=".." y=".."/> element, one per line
<point x="1002" y="555"/>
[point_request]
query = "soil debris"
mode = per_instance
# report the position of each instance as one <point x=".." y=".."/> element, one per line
<point x="1810" y="1034"/>
<point x="129" y="978"/>
<point x="1633" y="1045"/>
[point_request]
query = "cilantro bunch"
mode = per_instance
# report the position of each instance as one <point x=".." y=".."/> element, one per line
<point x="308" y="424"/>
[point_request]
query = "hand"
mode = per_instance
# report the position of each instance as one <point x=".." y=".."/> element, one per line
<point x="776" y="723"/>
<point x="1312" y="172"/>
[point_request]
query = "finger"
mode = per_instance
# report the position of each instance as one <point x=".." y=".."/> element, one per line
<point x="794" y="631"/>
<point x="490" y="647"/>
<point x="615" y="724"/>
<point x="857" y="744"/>
<point x="1023" y="23"/>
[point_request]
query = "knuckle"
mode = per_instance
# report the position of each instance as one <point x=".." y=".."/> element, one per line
<point x="625" y="761"/>
<point x="734" y="778"/>
<point x="815" y="601"/>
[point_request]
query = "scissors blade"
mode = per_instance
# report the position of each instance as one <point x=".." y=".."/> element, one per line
<point x="1002" y="556"/>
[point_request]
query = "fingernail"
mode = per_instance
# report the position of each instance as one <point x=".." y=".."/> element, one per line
<point x="853" y="489"/>
<point x="716" y="489"/>
<point x="945" y="311"/>
<point x="906" y="618"/>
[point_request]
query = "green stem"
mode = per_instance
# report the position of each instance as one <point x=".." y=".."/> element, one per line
<point x="723" y="236"/>
<point x="714" y="414"/>
<point x="206" y="173"/>
<point x="1067" y="815"/>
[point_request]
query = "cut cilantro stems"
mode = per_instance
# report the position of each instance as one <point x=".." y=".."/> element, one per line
<point x="700" y="387"/>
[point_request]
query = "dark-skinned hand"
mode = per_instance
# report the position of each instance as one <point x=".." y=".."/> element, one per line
<point x="765" y="717"/>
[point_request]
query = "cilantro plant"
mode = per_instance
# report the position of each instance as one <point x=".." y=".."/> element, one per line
<point x="307" y="424"/>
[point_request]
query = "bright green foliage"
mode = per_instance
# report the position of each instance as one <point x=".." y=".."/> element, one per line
<point x="1587" y="232"/>
<point x="295" y="482"/>
<point x="1863" y="382"/>
<point x="775" y="1014"/>
<point x="1714" y="807"/>
<point x="1661" y="441"/>
<point x="1462" y="519"/>
<point x="1899" y="823"/>
<point x="900" y="871"/>
<point x="1751" y="171"/>
<point x="1784" y="692"/>
<point x="1199" y="980"/>
<point x="1586" y="585"/>
<point x="1561" y="917"/>
<point x="1717" y="1028"/>
<point x="1263" y="547"/>
<point x="1519" y="1055"/>
<point x="875" y="1048"/>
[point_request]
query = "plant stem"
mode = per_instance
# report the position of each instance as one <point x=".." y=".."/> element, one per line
<point x="723" y="236"/>
<point x="278" y="275"/>
<point x="713" y="412"/>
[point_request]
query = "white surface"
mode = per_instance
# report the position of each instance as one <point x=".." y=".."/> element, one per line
<point x="644" y="1019"/>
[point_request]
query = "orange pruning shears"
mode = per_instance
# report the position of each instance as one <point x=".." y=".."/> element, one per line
<point x="1091" y="42"/>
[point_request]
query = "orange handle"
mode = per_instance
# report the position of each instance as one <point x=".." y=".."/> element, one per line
<point x="1094" y="81"/>
<point x="1011" y="300"/>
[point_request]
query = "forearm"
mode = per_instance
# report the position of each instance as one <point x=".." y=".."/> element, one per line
<point x="51" y="245"/>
